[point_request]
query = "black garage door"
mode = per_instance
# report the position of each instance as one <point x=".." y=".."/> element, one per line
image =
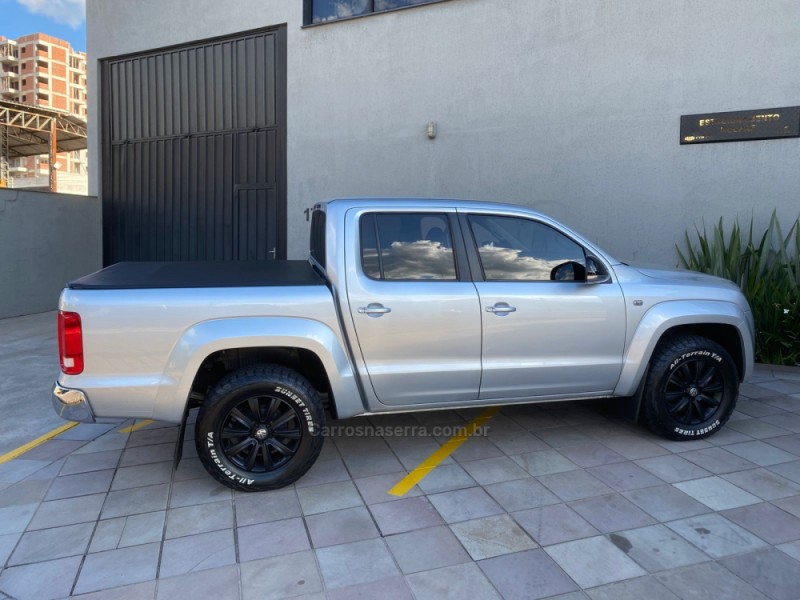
<point x="194" y="160"/>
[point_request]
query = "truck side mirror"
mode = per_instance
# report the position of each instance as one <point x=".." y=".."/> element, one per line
<point x="568" y="271"/>
<point x="595" y="271"/>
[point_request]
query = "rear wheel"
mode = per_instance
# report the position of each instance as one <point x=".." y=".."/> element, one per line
<point x="260" y="428"/>
<point x="691" y="388"/>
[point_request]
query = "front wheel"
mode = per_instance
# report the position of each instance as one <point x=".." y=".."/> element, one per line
<point x="691" y="388"/>
<point x="260" y="428"/>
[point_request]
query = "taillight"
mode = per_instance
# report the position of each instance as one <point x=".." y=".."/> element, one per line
<point x="70" y="342"/>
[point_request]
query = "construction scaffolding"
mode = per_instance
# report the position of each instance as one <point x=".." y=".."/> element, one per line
<point x="27" y="130"/>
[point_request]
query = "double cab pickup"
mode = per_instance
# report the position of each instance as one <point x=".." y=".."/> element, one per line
<point x="402" y="305"/>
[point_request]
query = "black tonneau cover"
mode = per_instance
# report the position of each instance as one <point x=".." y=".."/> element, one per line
<point x="216" y="274"/>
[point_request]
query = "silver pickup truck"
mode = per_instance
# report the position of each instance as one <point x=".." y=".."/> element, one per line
<point x="403" y="305"/>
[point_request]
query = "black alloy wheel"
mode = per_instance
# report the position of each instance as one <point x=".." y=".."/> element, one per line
<point x="260" y="428"/>
<point x="690" y="388"/>
<point x="261" y="434"/>
<point x="694" y="391"/>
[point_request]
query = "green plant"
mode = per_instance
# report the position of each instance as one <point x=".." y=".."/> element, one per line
<point x="768" y="272"/>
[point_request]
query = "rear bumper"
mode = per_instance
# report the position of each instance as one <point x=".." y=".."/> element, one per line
<point x="72" y="405"/>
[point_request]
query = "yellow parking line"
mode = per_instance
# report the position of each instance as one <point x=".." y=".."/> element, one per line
<point x="430" y="463"/>
<point x="37" y="442"/>
<point x="136" y="426"/>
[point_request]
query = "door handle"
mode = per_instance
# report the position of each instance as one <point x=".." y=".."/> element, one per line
<point x="501" y="309"/>
<point x="374" y="309"/>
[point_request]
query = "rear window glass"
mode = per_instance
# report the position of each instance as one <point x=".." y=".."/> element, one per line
<point x="407" y="246"/>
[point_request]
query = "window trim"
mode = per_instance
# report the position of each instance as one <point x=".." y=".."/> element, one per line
<point x="318" y="237"/>
<point x="476" y="256"/>
<point x="308" y="13"/>
<point x="459" y="255"/>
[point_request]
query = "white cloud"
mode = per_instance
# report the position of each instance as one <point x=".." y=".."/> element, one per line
<point x="68" y="12"/>
<point x="423" y="259"/>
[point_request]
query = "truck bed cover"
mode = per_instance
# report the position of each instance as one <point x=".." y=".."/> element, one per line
<point x="207" y="274"/>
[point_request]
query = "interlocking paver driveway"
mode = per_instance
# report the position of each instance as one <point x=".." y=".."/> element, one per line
<point x="559" y="500"/>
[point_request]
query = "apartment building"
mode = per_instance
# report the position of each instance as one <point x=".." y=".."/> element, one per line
<point x="45" y="71"/>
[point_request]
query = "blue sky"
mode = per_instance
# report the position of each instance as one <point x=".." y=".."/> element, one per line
<point x="65" y="19"/>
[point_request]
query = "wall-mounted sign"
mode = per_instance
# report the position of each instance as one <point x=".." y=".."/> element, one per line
<point x="762" y="124"/>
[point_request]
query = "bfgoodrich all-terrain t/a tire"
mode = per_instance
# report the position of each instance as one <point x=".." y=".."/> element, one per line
<point x="691" y="388"/>
<point x="260" y="428"/>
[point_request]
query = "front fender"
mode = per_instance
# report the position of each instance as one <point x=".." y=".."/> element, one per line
<point x="205" y="338"/>
<point x="665" y="316"/>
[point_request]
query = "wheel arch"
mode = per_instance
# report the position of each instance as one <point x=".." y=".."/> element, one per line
<point x="721" y="322"/>
<point x="307" y="346"/>
<point x="301" y="360"/>
<point x="726" y="335"/>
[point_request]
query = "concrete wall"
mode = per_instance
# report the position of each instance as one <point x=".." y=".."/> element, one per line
<point x="45" y="241"/>
<point x="566" y="105"/>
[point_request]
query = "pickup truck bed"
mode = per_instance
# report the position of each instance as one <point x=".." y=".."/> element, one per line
<point x="212" y="274"/>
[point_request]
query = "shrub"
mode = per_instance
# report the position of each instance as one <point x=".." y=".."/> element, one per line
<point x="767" y="271"/>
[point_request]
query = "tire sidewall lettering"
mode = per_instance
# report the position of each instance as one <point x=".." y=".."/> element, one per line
<point x="696" y="432"/>
<point x="312" y="426"/>
<point x="214" y="455"/>
<point x="694" y="354"/>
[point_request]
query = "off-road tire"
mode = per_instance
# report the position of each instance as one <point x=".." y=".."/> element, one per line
<point x="680" y="362"/>
<point x="291" y="391"/>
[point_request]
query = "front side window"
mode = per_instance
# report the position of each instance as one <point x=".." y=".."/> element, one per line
<point x="407" y="246"/>
<point x="513" y="249"/>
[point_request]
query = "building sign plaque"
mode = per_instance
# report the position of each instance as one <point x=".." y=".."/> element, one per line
<point x="762" y="124"/>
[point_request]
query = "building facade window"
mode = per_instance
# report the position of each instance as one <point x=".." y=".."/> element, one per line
<point x="324" y="11"/>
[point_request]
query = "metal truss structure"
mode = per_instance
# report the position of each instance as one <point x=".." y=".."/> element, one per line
<point x="32" y="130"/>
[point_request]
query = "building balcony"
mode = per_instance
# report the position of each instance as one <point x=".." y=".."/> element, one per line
<point x="9" y="55"/>
<point x="8" y="90"/>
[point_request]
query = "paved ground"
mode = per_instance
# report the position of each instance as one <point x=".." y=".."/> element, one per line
<point x="28" y="368"/>
<point x="557" y="500"/>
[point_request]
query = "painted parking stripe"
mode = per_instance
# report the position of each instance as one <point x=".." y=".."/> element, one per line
<point x="137" y="426"/>
<point x="450" y="446"/>
<point x="37" y="442"/>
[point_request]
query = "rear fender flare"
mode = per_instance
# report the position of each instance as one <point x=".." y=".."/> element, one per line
<point x="203" y="339"/>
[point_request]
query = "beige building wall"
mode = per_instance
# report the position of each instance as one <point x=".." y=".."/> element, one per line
<point x="569" y="106"/>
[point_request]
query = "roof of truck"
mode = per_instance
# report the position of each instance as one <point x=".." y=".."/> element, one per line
<point x="358" y="201"/>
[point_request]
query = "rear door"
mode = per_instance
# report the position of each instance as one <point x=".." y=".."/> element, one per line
<point x="414" y="308"/>
<point x="546" y="330"/>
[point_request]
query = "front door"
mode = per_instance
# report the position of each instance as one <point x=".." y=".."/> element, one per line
<point x="546" y="330"/>
<point x="415" y="311"/>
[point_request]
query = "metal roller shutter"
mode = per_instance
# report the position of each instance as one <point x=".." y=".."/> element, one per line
<point x="194" y="159"/>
